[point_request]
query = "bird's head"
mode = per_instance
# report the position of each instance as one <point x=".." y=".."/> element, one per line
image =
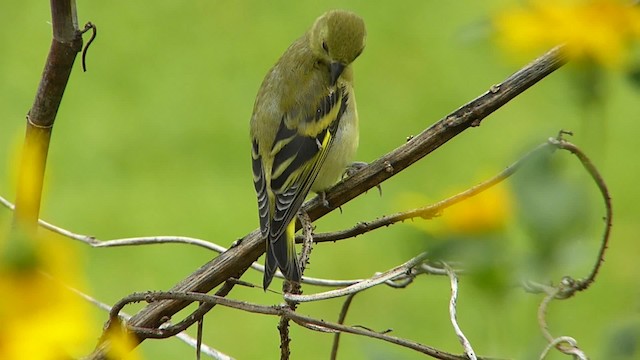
<point x="337" y="39"/>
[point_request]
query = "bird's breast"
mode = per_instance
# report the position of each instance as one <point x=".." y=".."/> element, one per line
<point x="342" y="150"/>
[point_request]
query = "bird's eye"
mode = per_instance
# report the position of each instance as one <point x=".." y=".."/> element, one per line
<point x="325" y="47"/>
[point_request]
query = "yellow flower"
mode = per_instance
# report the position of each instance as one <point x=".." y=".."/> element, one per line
<point x="40" y="318"/>
<point x="600" y="31"/>
<point x="122" y="344"/>
<point x="485" y="212"/>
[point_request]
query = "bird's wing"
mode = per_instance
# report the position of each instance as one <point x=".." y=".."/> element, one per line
<point x="260" y="183"/>
<point x="300" y="148"/>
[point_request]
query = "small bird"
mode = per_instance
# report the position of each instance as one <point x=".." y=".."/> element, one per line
<point x="304" y="130"/>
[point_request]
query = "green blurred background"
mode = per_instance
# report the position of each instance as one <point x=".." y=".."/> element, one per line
<point x="153" y="140"/>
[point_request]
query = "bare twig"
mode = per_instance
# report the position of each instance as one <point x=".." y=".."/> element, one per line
<point x="65" y="45"/>
<point x="569" y="286"/>
<point x="155" y="240"/>
<point x="363" y="285"/>
<point x="281" y="310"/>
<point x="575" y="351"/>
<point x="466" y="345"/>
<point x="307" y="243"/>
<point x="564" y="344"/>
<point x="88" y="26"/>
<point x="200" y="331"/>
<point x="602" y="186"/>
<point x="343" y="315"/>
<point x="295" y="288"/>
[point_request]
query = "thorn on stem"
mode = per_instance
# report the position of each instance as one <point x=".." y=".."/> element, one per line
<point x="563" y="132"/>
<point x="388" y="167"/>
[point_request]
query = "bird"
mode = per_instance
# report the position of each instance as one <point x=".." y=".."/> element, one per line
<point x="304" y="130"/>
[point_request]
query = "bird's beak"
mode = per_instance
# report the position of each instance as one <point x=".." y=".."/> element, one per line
<point x="336" y="69"/>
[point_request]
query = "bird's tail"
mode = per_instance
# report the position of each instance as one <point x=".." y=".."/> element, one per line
<point x="281" y="253"/>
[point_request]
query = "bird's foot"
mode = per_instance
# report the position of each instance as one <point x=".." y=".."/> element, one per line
<point x="353" y="168"/>
<point x="356" y="166"/>
<point x="323" y="199"/>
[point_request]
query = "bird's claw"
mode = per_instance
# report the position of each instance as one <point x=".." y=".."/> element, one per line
<point x="353" y="168"/>
<point x="323" y="200"/>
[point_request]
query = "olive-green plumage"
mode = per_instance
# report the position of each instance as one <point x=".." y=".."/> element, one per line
<point x="304" y="130"/>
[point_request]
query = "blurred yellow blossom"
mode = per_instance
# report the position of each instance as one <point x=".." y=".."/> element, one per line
<point x="488" y="211"/>
<point x="485" y="212"/>
<point x="122" y="344"/>
<point x="40" y="318"/>
<point x="600" y="31"/>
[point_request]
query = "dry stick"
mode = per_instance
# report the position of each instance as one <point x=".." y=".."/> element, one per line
<point x="571" y="347"/>
<point x="363" y="285"/>
<point x="239" y="258"/>
<point x="65" y="45"/>
<point x="578" y="354"/>
<point x="149" y="240"/>
<point x="199" y="336"/>
<point x="169" y="331"/>
<point x="295" y="288"/>
<point x="453" y="315"/>
<point x="92" y="241"/>
<point x="282" y="310"/>
<point x="602" y="186"/>
<point x="569" y="286"/>
<point x="292" y="299"/>
<point x="341" y="318"/>
<point x="307" y="242"/>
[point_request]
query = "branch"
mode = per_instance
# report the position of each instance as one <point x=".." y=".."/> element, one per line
<point x="341" y="318"/>
<point x="564" y="344"/>
<point x="604" y="191"/>
<point x="236" y="260"/>
<point x="151" y="240"/>
<point x="66" y="43"/>
<point x="363" y="285"/>
<point x="295" y="287"/>
<point x="569" y="286"/>
<point x="281" y="310"/>
<point x="453" y="314"/>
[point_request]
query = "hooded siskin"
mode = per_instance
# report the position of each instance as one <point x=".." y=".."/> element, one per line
<point x="304" y="130"/>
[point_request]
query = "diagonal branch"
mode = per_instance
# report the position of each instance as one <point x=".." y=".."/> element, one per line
<point x="237" y="259"/>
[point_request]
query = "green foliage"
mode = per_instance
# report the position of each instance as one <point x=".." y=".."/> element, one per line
<point x="553" y="210"/>
<point x="624" y="341"/>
